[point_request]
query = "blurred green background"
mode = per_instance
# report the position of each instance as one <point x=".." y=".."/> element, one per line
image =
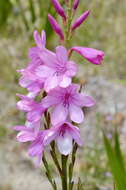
<point x="105" y="29"/>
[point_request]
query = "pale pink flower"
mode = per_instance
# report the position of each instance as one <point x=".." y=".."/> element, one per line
<point x="28" y="132"/>
<point x="92" y="55"/>
<point x="67" y="102"/>
<point x="34" y="109"/>
<point x="64" y="134"/>
<point x="57" y="70"/>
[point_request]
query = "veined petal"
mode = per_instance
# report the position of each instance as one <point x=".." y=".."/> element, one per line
<point x="43" y="71"/>
<point x="49" y="101"/>
<point x="64" y="144"/>
<point x="76" y="113"/>
<point x="25" y="136"/>
<point x="75" y="133"/>
<point x="71" y="69"/>
<point x="59" y="114"/>
<point x="61" y="54"/>
<point x="84" y="100"/>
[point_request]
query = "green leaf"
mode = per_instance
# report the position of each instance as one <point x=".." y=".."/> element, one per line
<point x="118" y="171"/>
<point x="118" y="152"/>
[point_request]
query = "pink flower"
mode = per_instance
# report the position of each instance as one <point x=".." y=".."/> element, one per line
<point x="59" y="8"/>
<point x="34" y="109"/>
<point x="92" y="55"/>
<point x="56" y="26"/>
<point x="37" y="148"/>
<point x="30" y="81"/>
<point x="64" y="134"/>
<point x="28" y="132"/>
<point x="57" y="70"/>
<point x="67" y="101"/>
<point x="80" y="20"/>
<point x="34" y="52"/>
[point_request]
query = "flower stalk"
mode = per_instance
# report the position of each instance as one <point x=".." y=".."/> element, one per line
<point x="61" y="103"/>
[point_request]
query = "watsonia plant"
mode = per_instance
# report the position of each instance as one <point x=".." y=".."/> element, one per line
<point x="54" y="103"/>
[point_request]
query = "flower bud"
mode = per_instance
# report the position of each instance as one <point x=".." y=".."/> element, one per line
<point x="92" y="55"/>
<point x="76" y="3"/>
<point x="80" y="20"/>
<point x="55" y="26"/>
<point x="59" y="9"/>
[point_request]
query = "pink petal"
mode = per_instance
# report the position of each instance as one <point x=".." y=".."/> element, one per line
<point x="64" y="144"/>
<point x="43" y="38"/>
<point x="61" y="54"/>
<point x="43" y="71"/>
<point x="50" y="136"/>
<point x="59" y="114"/>
<point x="66" y="81"/>
<point x="35" y="149"/>
<point x="76" y="113"/>
<point x="84" y="100"/>
<point x="24" y="82"/>
<point x="49" y="101"/>
<point x="25" y="136"/>
<point x="37" y="39"/>
<point x="51" y="83"/>
<point x="75" y="133"/>
<point x="48" y="58"/>
<point x="71" y="69"/>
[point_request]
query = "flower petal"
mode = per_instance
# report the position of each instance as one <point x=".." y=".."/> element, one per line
<point x="76" y="113"/>
<point x="59" y="114"/>
<point x="64" y="144"/>
<point x="49" y="101"/>
<point x="43" y="71"/>
<point x="61" y="54"/>
<point x="66" y="81"/>
<point x="84" y="100"/>
<point x="37" y="39"/>
<point x="51" y="83"/>
<point x="43" y="38"/>
<point x="71" y="69"/>
<point x="25" y="136"/>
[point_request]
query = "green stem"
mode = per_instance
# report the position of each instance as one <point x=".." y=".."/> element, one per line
<point x="54" y="157"/>
<point x="48" y="173"/>
<point x="71" y="166"/>
<point x="69" y="21"/>
<point x="64" y="172"/>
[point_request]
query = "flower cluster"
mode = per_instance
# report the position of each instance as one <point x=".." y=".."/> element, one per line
<point x="51" y="93"/>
